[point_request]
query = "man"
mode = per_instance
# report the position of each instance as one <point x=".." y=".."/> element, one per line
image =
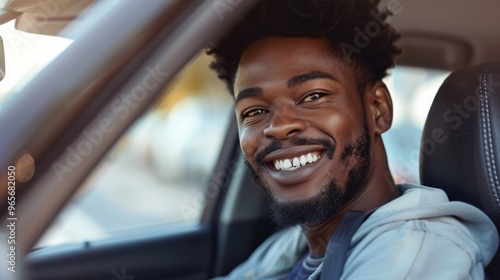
<point x="311" y="108"/>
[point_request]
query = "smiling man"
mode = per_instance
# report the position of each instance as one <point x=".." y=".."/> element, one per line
<point x="311" y="109"/>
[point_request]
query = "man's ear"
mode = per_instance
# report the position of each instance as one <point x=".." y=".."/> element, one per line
<point x="378" y="104"/>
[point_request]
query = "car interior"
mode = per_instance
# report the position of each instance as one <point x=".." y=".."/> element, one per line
<point x="85" y="94"/>
<point x="470" y="173"/>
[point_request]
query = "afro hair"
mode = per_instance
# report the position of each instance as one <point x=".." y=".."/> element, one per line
<point x="358" y="33"/>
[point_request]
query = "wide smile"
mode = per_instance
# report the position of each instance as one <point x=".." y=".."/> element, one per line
<point x="290" y="164"/>
<point x="293" y="165"/>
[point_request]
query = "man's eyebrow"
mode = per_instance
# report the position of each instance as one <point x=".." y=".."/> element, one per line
<point x="292" y="82"/>
<point x="247" y="93"/>
<point x="300" y="79"/>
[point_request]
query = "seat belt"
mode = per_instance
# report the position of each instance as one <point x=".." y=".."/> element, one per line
<point x="339" y="244"/>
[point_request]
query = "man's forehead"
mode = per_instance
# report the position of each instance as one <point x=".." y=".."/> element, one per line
<point x="274" y="48"/>
<point x="275" y="60"/>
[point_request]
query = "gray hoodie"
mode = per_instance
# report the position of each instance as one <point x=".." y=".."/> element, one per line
<point x="420" y="235"/>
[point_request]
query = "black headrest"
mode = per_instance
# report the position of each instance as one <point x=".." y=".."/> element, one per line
<point x="460" y="148"/>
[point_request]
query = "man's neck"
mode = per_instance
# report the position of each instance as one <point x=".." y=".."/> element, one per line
<point x="376" y="194"/>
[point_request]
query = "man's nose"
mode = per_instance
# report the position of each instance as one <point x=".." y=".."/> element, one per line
<point x="284" y="124"/>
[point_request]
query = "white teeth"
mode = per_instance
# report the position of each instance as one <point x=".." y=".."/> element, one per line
<point x="303" y="160"/>
<point x="296" y="162"/>
<point x="309" y="158"/>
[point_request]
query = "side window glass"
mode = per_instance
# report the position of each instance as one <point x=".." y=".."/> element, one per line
<point x="412" y="90"/>
<point x="155" y="174"/>
<point x="25" y="55"/>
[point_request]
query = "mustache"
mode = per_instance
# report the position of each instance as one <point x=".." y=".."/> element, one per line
<point x="298" y="141"/>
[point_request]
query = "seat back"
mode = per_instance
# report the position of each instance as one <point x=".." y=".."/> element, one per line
<point x="460" y="147"/>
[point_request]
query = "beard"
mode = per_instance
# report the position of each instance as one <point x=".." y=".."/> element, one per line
<point x="332" y="197"/>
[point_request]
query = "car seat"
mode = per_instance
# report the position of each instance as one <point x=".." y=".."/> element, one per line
<point x="460" y="147"/>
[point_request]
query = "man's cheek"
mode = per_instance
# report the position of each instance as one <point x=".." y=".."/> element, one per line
<point x="248" y="145"/>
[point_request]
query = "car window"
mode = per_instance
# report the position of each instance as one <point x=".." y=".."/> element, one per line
<point x="25" y="54"/>
<point x="157" y="172"/>
<point x="412" y="91"/>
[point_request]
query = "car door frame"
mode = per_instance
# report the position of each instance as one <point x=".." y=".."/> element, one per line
<point x="125" y="41"/>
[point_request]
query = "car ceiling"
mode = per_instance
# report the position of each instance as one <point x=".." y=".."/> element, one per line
<point x="471" y="22"/>
<point x="446" y="34"/>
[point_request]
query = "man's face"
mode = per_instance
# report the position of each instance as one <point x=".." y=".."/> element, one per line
<point x="302" y="127"/>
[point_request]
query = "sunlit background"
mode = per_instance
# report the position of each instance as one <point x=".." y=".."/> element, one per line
<point x="25" y="54"/>
<point x="156" y="173"/>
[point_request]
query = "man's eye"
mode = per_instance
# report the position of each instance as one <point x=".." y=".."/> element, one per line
<point x="313" y="96"/>
<point x="253" y="113"/>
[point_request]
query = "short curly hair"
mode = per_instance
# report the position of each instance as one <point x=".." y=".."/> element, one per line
<point x="357" y="31"/>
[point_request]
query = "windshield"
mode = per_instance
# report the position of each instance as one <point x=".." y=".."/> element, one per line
<point x="25" y="54"/>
